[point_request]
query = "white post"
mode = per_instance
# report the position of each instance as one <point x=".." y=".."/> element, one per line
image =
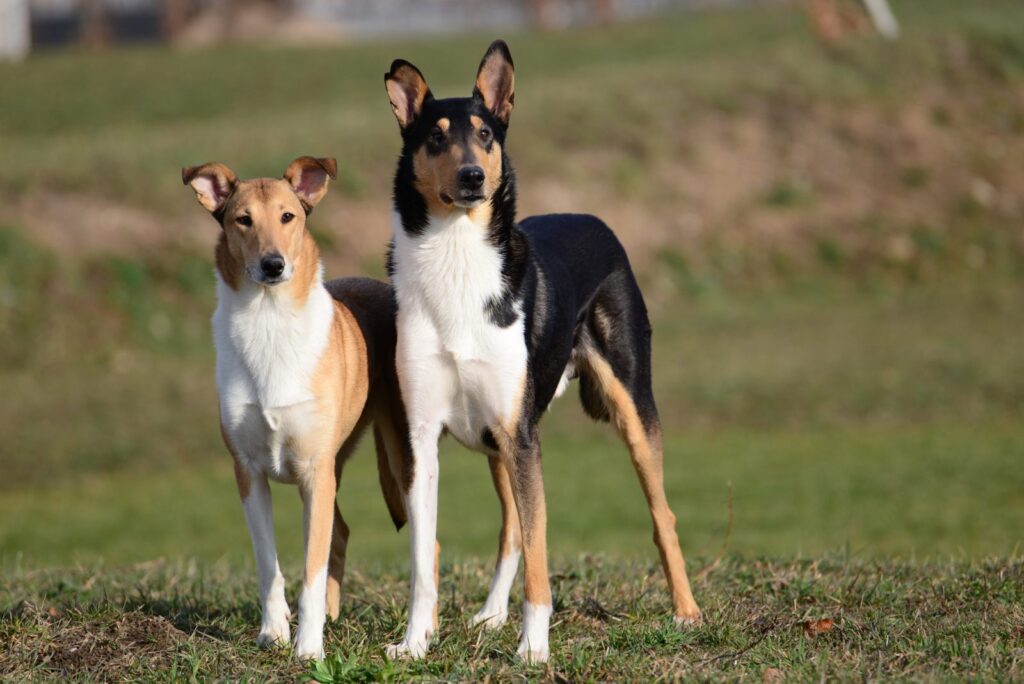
<point x="14" y="29"/>
<point x="883" y="18"/>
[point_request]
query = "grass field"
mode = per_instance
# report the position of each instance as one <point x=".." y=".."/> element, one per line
<point x="831" y="618"/>
<point x="830" y="244"/>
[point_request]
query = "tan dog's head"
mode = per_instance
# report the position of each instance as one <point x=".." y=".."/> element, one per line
<point x="455" y="145"/>
<point x="263" y="219"/>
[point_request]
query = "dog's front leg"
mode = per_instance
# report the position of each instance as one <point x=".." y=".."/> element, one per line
<point x="318" y="497"/>
<point x="521" y="455"/>
<point x="421" y="505"/>
<point x="255" y="492"/>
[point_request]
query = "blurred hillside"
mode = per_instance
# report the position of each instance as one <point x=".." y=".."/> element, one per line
<point x="729" y="145"/>
<point x="830" y="239"/>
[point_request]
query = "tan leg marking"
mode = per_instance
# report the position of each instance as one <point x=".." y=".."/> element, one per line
<point x="242" y="477"/>
<point x="336" y="564"/>
<point x="645" y="451"/>
<point x="318" y="519"/>
<point x="509" y="539"/>
<point x="437" y="582"/>
<point x="526" y="481"/>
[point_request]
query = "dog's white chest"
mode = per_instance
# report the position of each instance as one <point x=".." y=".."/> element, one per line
<point x="267" y="352"/>
<point x="456" y="365"/>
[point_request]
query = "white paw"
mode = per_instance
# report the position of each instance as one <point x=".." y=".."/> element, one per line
<point x="532" y="656"/>
<point x="275" y="631"/>
<point x="408" y="648"/>
<point x="489" y="619"/>
<point x="688" y="622"/>
<point x="309" y="647"/>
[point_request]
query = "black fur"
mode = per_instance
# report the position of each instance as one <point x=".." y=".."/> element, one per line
<point x="571" y="262"/>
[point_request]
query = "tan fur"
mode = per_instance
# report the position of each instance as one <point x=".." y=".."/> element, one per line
<point x="436" y="175"/>
<point x="345" y="402"/>
<point x="336" y="564"/>
<point x="242" y="478"/>
<point x="646" y="453"/>
<point x="510" y="538"/>
<point x="489" y="161"/>
<point x="527" y="484"/>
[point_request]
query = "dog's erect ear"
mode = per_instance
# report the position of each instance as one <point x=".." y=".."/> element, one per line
<point x="308" y="177"/>
<point x="407" y="91"/>
<point x="496" y="81"/>
<point x="213" y="183"/>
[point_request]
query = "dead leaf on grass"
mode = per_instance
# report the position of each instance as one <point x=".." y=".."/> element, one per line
<point x="813" y="628"/>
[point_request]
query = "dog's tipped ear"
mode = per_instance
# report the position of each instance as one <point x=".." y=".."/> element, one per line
<point x="496" y="81"/>
<point x="309" y="176"/>
<point x="407" y="91"/>
<point x="213" y="184"/>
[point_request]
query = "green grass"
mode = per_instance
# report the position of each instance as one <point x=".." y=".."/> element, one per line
<point x="890" y="620"/>
<point x="121" y="124"/>
<point x="860" y="408"/>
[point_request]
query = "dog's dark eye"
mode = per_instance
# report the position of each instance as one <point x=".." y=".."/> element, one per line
<point x="437" y="137"/>
<point x="244" y="221"/>
<point x="287" y="216"/>
<point x="485" y="134"/>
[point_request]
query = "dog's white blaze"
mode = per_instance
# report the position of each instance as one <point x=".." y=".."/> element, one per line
<point x="495" y="610"/>
<point x="267" y="351"/>
<point x="533" y="644"/>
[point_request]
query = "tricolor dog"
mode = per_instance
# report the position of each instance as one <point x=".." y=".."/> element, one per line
<point x="302" y="367"/>
<point x="494" y="318"/>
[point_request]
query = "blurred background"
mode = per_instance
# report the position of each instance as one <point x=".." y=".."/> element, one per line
<point x="823" y="199"/>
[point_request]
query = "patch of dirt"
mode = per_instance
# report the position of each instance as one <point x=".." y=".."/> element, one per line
<point x="777" y="178"/>
<point x="71" y="647"/>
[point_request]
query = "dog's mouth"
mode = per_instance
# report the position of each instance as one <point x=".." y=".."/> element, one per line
<point x="468" y="200"/>
<point x="465" y="199"/>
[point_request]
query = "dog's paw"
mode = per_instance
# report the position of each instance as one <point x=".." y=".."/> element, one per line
<point x="534" y="655"/>
<point x="691" y="621"/>
<point x="408" y="648"/>
<point x="309" y="647"/>
<point x="274" y="632"/>
<point x="489" y="619"/>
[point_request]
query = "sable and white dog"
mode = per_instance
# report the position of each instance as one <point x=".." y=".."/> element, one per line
<point x="302" y="367"/>
<point x="494" y="318"/>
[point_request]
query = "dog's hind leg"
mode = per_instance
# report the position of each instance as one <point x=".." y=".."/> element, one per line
<point x="336" y="564"/>
<point x="495" y="610"/>
<point x="642" y="434"/>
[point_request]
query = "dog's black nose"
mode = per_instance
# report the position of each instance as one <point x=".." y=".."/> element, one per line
<point x="471" y="178"/>
<point x="273" y="265"/>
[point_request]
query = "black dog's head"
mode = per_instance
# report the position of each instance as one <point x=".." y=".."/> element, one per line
<point x="455" y="146"/>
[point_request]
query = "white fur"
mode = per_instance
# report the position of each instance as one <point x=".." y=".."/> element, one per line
<point x="457" y="370"/>
<point x="258" y="515"/>
<point x="494" y="613"/>
<point x="533" y="644"/>
<point x="267" y="351"/>
<point x="309" y="637"/>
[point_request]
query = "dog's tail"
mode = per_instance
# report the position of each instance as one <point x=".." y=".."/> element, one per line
<point x="389" y="485"/>
<point x="394" y="453"/>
